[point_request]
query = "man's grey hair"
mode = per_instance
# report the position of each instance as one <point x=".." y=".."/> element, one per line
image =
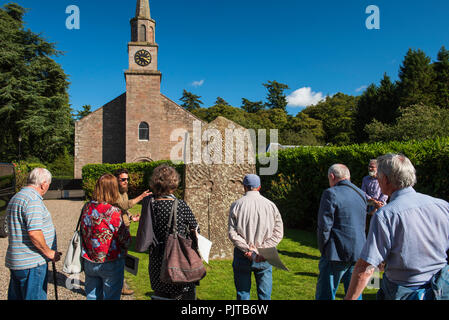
<point x="373" y="161"/>
<point x="398" y="169"/>
<point x="38" y="176"/>
<point x="340" y="171"/>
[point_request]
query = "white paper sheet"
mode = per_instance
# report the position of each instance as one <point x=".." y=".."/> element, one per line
<point x="272" y="256"/>
<point x="204" y="246"/>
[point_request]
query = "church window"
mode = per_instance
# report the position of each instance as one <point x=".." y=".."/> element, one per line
<point x="144" y="131"/>
<point x="143" y="33"/>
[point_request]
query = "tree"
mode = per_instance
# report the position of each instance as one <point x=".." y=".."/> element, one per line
<point x="276" y="98"/>
<point x="190" y="101"/>
<point x="376" y="103"/>
<point x="34" y="103"/>
<point x="251" y="106"/>
<point x="221" y="101"/>
<point x="84" y="112"/>
<point x="416" y="122"/>
<point x="416" y="80"/>
<point x="337" y="114"/>
<point x="441" y="67"/>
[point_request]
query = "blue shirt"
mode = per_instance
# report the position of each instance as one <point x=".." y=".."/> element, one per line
<point x="27" y="212"/>
<point x="411" y="234"/>
<point x="370" y="186"/>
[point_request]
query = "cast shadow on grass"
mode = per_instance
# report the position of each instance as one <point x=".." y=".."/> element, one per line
<point x="300" y="255"/>
<point x="308" y="274"/>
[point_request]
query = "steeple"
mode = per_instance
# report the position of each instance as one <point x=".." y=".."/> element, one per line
<point x="143" y="9"/>
<point x="142" y="26"/>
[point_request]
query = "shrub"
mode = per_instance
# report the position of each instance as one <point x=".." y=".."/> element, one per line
<point x="302" y="175"/>
<point x="139" y="174"/>
<point x="22" y="170"/>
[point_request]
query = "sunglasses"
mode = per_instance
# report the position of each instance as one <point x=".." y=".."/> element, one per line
<point x="124" y="179"/>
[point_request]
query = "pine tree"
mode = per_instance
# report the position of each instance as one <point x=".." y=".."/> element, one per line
<point x="416" y="76"/>
<point x="252" y="106"/>
<point x="34" y="103"/>
<point x="441" y="67"/>
<point x="276" y="98"/>
<point x="190" y="101"/>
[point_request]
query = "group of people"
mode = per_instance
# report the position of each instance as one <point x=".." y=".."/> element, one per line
<point x="408" y="235"/>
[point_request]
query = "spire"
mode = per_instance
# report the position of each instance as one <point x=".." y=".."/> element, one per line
<point x="143" y="9"/>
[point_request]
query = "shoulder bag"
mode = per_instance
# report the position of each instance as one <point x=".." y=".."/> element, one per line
<point x="72" y="262"/>
<point x="181" y="263"/>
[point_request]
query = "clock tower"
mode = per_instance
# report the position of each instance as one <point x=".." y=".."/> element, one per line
<point x="143" y="83"/>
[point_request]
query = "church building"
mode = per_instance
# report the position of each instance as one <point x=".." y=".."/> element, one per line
<point x="137" y="125"/>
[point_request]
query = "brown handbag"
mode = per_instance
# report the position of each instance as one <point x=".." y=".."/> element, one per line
<point x="181" y="262"/>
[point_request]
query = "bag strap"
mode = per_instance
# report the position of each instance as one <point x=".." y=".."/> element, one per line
<point x="348" y="185"/>
<point x="173" y="217"/>
<point x="79" y="219"/>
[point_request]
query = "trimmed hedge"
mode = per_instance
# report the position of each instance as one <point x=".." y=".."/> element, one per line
<point x="139" y="174"/>
<point x="302" y="175"/>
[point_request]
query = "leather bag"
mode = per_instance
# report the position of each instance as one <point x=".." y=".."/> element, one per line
<point x="72" y="261"/>
<point x="181" y="262"/>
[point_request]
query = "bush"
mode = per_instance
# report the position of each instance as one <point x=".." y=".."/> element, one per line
<point x="302" y="175"/>
<point x="139" y="176"/>
<point x="22" y="170"/>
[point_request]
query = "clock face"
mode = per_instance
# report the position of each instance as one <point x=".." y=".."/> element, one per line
<point x="142" y="58"/>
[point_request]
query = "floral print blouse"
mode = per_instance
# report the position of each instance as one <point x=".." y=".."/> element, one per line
<point x="105" y="236"/>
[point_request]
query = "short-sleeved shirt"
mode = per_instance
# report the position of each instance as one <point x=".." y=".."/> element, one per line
<point x="411" y="234"/>
<point x="105" y="237"/>
<point x="27" y="212"/>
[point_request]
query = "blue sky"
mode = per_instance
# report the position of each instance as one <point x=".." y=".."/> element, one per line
<point x="228" y="48"/>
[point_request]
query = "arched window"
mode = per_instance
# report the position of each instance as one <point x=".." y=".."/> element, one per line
<point x="142" y="33"/>
<point x="144" y="131"/>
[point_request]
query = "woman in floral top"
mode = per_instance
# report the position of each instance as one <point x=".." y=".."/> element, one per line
<point x="105" y="242"/>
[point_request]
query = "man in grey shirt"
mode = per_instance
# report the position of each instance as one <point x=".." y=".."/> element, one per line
<point x="254" y="222"/>
<point x="410" y="235"/>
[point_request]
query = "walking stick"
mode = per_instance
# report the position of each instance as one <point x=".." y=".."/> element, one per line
<point x="54" y="279"/>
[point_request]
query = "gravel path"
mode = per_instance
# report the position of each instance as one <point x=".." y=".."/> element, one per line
<point x="65" y="214"/>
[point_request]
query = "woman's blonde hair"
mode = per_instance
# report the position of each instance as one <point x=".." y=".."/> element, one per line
<point x="164" y="180"/>
<point x="106" y="189"/>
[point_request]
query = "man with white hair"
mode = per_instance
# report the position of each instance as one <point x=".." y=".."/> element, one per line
<point x="340" y="232"/>
<point x="32" y="239"/>
<point x="370" y="185"/>
<point x="410" y="235"/>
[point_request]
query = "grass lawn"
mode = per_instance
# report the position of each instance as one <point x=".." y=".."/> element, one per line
<point x="297" y="250"/>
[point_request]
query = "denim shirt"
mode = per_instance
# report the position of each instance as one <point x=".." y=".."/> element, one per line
<point x="411" y="234"/>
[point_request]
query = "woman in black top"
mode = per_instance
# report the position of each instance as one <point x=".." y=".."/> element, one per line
<point x="163" y="183"/>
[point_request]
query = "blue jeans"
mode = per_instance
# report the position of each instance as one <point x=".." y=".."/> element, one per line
<point x="104" y="281"/>
<point x="331" y="274"/>
<point x="29" y="284"/>
<point x="243" y="268"/>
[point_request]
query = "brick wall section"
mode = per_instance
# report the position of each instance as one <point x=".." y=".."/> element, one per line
<point x="100" y="136"/>
<point x="114" y="117"/>
<point x="88" y="141"/>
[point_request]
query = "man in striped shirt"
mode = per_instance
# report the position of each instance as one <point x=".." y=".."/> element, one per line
<point x="32" y="239"/>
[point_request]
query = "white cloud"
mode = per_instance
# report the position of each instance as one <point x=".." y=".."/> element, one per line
<point x="198" y="83"/>
<point x="304" y="97"/>
<point x="362" y="88"/>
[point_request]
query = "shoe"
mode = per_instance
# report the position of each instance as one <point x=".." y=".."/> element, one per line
<point x="126" y="291"/>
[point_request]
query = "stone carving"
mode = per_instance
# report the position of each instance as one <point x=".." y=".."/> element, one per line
<point x="211" y="188"/>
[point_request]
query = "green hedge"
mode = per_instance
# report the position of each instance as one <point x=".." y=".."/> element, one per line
<point x="23" y="169"/>
<point x="139" y="174"/>
<point x="302" y="175"/>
